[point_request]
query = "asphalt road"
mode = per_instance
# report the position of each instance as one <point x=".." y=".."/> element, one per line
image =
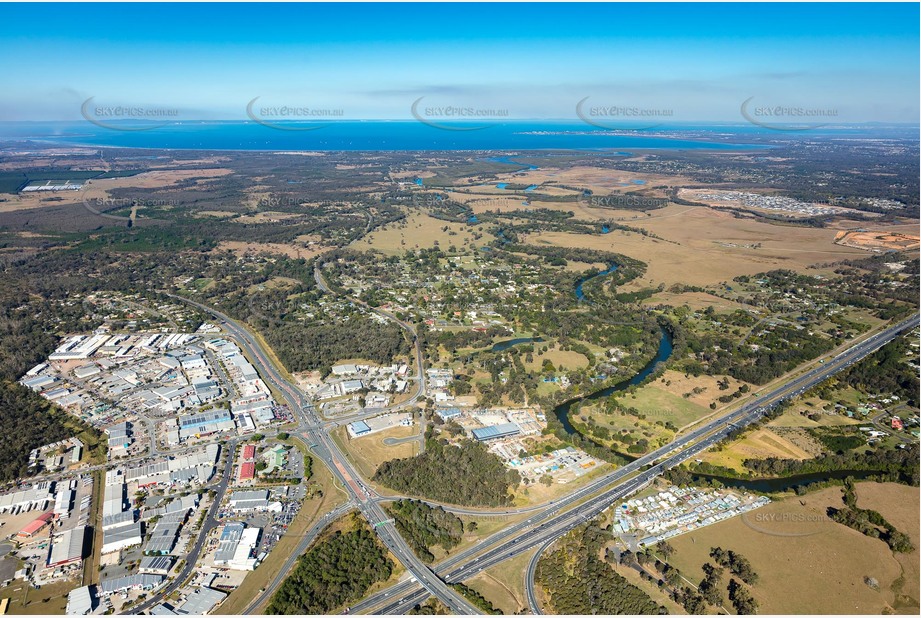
<point x="208" y="525"/>
<point x="308" y="538"/>
<point x="311" y="431"/>
<point x="529" y="575"/>
<point x="548" y="525"/>
<point x="552" y="522"/>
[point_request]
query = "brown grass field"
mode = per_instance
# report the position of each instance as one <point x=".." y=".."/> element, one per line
<point x="291" y="250"/>
<point x="49" y="600"/>
<point x="369" y="452"/>
<point x="419" y="231"/>
<point x="600" y="180"/>
<point x="793" y="418"/>
<point x="676" y="383"/>
<point x="704" y="246"/>
<point x="568" y="360"/>
<point x="487" y="525"/>
<point x="899" y="505"/>
<point x="267" y="216"/>
<point x="759" y="444"/>
<point x="503" y="584"/>
<point x="538" y="493"/>
<point x="666" y="403"/>
<point x="808" y="564"/>
<point x="657" y="594"/>
<point x="694" y="300"/>
<point x="99" y="189"/>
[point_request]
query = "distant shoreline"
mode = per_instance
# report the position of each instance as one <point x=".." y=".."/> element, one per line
<point x="411" y="136"/>
<point x="384" y="136"/>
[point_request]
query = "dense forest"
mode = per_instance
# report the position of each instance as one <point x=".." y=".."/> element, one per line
<point x="778" y="351"/>
<point x="465" y="474"/>
<point x="896" y="465"/>
<point x="276" y="296"/>
<point x="579" y="582"/>
<point x="425" y="527"/>
<point x="886" y="372"/>
<point x="321" y="345"/>
<point x="336" y="571"/>
<point x="29" y="330"/>
<point x="30" y="421"/>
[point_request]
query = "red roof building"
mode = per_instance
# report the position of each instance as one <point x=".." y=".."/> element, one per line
<point x="247" y="471"/>
<point x="249" y="452"/>
<point x="35" y="526"/>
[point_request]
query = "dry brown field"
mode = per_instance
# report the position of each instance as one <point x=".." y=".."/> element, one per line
<point x="806" y="563"/>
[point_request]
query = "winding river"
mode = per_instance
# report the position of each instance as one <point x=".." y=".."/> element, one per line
<point x="786" y="483"/>
<point x="579" y="293"/>
<point x="662" y="354"/>
<point x="508" y="343"/>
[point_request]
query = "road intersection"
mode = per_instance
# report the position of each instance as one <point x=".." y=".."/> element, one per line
<point x="549" y="521"/>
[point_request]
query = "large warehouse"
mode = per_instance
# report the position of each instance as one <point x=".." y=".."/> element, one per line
<point x="505" y="430"/>
<point x="68" y="548"/>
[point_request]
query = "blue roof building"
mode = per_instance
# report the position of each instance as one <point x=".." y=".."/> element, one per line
<point x="504" y="430"/>
<point x="359" y="428"/>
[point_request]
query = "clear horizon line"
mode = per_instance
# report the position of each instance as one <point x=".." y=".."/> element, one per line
<point x="574" y="121"/>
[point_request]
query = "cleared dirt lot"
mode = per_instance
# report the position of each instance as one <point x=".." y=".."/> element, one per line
<point x="878" y="241"/>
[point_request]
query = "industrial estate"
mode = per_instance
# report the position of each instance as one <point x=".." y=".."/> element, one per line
<point x="459" y="361"/>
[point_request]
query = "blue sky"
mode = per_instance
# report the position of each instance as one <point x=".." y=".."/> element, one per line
<point x="533" y="61"/>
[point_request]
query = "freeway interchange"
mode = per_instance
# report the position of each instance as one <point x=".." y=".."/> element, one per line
<point x="310" y="430"/>
<point x="548" y="522"/>
<point x="554" y="522"/>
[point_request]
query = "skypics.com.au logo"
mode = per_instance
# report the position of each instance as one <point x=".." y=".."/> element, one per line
<point x="623" y="201"/>
<point x="785" y="117"/>
<point x="103" y="207"/>
<point x="787" y="524"/>
<point x="450" y="117"/>
<point x="621" y="117"/>
<point x="292" y="117"/>
<point x="127" y="117"/>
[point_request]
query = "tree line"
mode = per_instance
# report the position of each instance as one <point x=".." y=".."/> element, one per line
<point x="336" y="571"/>
<point x="465" y="474"/>
<point x="579" y="582"/>
<point x="425" y="527"/>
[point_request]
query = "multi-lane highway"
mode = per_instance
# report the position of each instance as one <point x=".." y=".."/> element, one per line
<point x="554" y="522"/>
<point x="311" y="431"/>
<point x="555" y="519"/>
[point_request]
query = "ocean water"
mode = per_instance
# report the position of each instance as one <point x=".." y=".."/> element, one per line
<point x="371" y="135"/>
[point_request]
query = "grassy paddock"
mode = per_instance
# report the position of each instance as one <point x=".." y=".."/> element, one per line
<point x="806" y="563"/>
